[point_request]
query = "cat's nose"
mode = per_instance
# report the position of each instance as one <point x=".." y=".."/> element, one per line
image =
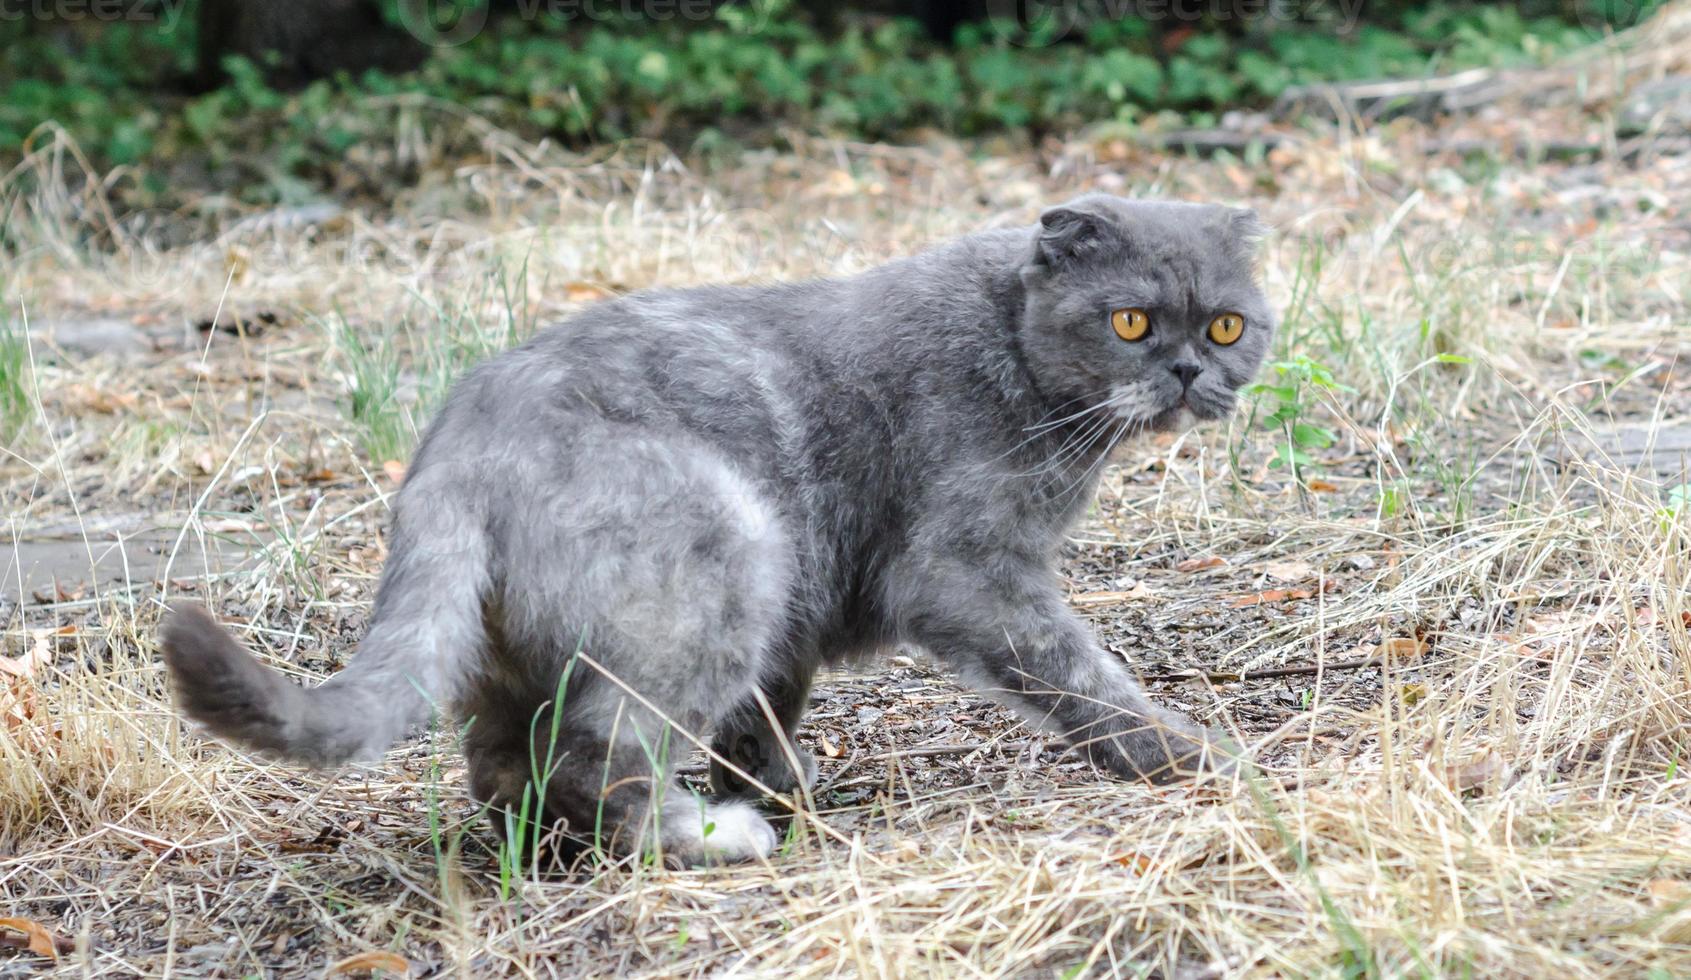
<point x="1187" y="372"/>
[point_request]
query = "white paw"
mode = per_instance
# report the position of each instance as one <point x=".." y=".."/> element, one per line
<point x="716" y="833"/>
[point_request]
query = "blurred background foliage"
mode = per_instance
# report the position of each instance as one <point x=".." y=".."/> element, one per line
<point x="276" y="100"/>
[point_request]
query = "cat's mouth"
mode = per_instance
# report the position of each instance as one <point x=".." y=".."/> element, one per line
<point x="1185" y="413"/>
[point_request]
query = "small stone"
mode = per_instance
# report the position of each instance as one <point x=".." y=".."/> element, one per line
<point x="1663" y="106"/>
<point x="91" y="337"/>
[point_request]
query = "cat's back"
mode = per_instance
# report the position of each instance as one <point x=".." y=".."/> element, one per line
<point x="728" y="365"/>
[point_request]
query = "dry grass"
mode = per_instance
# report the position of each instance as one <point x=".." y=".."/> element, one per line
<point x="1505" y="797"/>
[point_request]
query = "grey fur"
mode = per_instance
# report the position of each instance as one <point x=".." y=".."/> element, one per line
<point x="709" y="493"/>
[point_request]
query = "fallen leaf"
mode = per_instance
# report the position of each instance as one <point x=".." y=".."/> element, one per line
<point x="370" y="962"/>
<point x="1200" y="564"/>
<point x="1322" y="486"/>
<point x="1667" y="891"/>
<point x="838" y="183"/>
<point x="1401" y="648"/>
<point x="1289" y="571"/>
<point x="40" y="941"/>
<point x="39" y="654"/>
<point x="1673" y="898"/>
<point x="1271" y="595"/>
<point x="100" y="400"/>
<point x="1141" y="863"/>
<point x="1413" y="693"/>
<point x="394" y="470"/>
<point x="1475" y="774"/>
<point x="829" y="749"/>
<point x="585" y="292"/>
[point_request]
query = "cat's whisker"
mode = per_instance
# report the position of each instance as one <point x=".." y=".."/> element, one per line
<point x="1043" y="425"/>
<point x="1042" y="429"/>
<point x="1131" y="427"/>
<point x="1075" y="447"/>
<point x="1076" y="444"/>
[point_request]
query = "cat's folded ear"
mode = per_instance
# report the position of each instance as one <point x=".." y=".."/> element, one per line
<point x="1074" y="231"/>
<point x="1247" y="230"/>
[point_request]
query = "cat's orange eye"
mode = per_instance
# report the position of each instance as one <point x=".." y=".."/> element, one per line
<point x="1130" y="323"/>
<point x="1227" y="328"/>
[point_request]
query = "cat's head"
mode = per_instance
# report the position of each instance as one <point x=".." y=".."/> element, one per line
<point x="1151" y="306"/>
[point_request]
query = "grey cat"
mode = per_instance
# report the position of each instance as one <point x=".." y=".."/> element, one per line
<point x="667" y="512"/>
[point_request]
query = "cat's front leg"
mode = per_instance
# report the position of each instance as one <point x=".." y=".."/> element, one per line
<point x="767" y="752"/>
<point x="1011" y="635"/>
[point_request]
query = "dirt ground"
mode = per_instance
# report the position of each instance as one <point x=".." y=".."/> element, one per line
<point x="1455" y="646"/>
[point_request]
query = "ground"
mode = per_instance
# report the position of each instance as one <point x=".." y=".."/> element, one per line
<point x="1454" y="643"/>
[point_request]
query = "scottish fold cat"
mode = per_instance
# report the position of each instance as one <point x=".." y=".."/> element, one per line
<point x="656" y="520"/>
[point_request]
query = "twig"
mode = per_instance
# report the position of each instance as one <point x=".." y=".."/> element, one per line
<point x="1229" y="677"/>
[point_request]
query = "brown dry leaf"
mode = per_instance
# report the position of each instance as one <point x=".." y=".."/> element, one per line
<point x="1141" y="863"/>
<point x="1271" y="595"/>
<point x="1200" y="564"/>
<point x="838" y="183"/>
<point x="39" y="654"/>
<point x="585" y="292"/>
<point x="829" y="749"/>
<point x="1322" y="486"/>
<point x="1475" y="773"/>
<point x="1401" y="648"/>
<point x="99" y="400"/>
<point x="370" y="962"/>
<point x="1673" y="898"/>
<point x="60" y="593"/>
<point x="40" y="941"/>
<point x="394" y="470"/>
<point x="236" y="264"/>
<point x="1290" y="571"/>
<point x="1668" y="892"/>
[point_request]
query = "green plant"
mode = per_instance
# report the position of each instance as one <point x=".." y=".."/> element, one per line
<point x="372" y="399"/>
<point x="14" y="381"/>
<point x="591" y="79"/>
<point x="1295" y="390"/>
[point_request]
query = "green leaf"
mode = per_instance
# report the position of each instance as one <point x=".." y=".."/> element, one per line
<point x="1312" y="436"/>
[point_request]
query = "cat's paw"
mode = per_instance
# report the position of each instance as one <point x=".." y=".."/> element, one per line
<point x="715" y="833"/>
<point x="1207" y="755"/>
<point x="1170" y="749"/>
<point x="765" y="761"/>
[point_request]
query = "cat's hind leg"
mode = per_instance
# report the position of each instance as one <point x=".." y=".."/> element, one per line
<point x="661" y="578"/>
<point x="610" y="791"/>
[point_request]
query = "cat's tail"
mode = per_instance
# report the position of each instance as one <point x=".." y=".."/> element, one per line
<point x="423" y="641"/>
